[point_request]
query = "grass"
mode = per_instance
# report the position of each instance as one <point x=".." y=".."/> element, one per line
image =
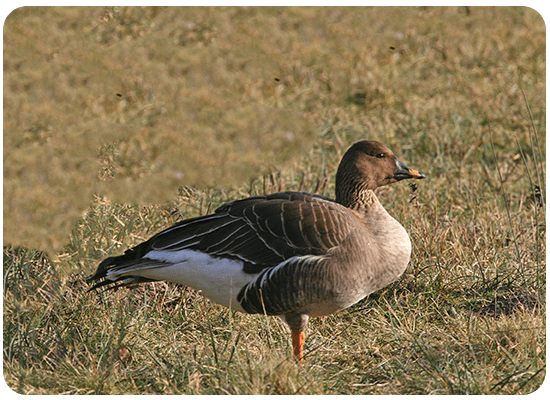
<point x="457" y="93"/>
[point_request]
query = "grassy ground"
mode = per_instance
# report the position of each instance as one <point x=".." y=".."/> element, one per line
<point x="457" y="93"/>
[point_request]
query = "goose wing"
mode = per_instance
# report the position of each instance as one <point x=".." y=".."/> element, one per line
<point x="261" y="231"/>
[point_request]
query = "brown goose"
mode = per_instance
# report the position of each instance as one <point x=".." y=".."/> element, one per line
<point x="291" y="254"/>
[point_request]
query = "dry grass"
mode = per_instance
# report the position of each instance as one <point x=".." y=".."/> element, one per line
<point x="133" y="103"/>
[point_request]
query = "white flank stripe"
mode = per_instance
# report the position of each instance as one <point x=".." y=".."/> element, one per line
<point x="219" y="279"/>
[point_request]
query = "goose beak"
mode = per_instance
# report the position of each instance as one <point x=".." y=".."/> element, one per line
<point x="404" y="172"/>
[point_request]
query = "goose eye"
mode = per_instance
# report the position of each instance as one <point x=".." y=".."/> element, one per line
<point x="380" y="155"/>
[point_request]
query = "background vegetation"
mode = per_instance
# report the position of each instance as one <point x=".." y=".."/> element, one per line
<point x="182" y="109"/>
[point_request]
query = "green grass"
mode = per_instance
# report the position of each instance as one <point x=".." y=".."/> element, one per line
<point x="461" y="97"/>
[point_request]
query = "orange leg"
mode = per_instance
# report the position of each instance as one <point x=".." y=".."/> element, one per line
<point x="298" y="340"/>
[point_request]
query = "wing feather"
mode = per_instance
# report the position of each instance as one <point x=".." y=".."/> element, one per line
<point x="261" y="231"/>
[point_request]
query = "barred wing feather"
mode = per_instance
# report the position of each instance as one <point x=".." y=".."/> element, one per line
<point x="262" y="231"/>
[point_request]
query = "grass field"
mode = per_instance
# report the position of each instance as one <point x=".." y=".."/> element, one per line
<point x="121" y="121"/>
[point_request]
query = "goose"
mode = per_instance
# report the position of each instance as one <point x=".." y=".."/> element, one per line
<point x="290" y="254"/>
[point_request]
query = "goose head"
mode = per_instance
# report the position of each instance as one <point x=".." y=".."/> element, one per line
<point x="366" y="166"/>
